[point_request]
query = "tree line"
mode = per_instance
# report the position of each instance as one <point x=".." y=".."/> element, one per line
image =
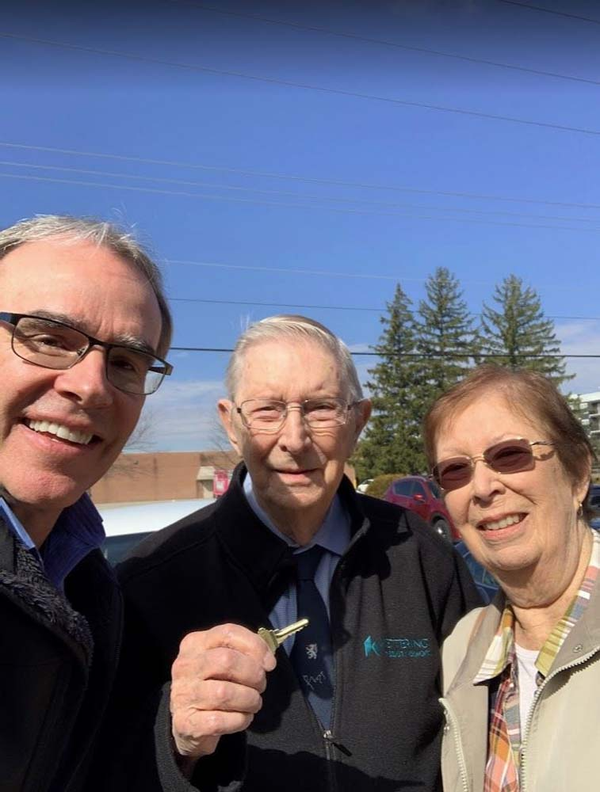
<point x="425" y="349"/>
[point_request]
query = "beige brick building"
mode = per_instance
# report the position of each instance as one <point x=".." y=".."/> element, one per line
<point x="162" y="476"/>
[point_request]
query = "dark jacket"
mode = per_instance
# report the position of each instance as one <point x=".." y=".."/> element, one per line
<point x="58" y="655"/>
<point x="396" y="593"/>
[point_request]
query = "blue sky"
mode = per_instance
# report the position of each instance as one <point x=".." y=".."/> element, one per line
<point x="272" y="191"/>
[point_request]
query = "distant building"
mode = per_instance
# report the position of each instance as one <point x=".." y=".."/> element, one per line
<point x="136" y="478"/>
<point x="161" y="476"/>
<point x="589" y="412"/>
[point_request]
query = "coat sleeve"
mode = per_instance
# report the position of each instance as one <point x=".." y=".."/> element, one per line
<point x="136" y="752"/>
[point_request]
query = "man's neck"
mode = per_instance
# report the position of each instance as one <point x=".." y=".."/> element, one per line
<point x="37" y="522"/>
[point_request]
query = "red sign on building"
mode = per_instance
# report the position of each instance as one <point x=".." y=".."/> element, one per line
<point x="220" y="482"/>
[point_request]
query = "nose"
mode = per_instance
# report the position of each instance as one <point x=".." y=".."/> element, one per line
<point x="485" y="482"/>
<point x="294" y="436"/>
<point x="86" y="382"/>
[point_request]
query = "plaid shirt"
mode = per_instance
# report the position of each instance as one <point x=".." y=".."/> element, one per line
<point x="500" y="668"/>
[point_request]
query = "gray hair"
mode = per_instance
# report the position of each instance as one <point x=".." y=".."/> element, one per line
<point x="103" y="234"/>
<point x="295" y="328"/>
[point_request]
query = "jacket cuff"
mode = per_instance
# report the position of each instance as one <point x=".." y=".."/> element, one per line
<point x="224" y="771"/>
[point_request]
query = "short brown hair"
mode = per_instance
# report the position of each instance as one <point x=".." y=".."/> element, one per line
<point x="532" y="396"/>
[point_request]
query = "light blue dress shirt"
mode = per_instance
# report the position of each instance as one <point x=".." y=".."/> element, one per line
<point x="333" y="536"/>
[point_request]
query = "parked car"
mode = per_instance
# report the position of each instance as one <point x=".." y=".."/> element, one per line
<point x="127" y="524"/>
<point x="364" y="485"/>
<point x="423" y="496"/>
<point x="594" y="502"/>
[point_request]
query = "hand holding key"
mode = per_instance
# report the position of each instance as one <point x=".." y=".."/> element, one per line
<point x="217" y="682"/>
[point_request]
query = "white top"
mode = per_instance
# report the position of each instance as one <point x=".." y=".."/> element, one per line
<point x="527" y="682"/>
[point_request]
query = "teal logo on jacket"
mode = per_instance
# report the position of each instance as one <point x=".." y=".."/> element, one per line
<point x="397" y="647"/>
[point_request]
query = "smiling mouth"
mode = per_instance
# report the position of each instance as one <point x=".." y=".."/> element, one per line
<point x="62" y="432"/>
<point x="505" y="522"/>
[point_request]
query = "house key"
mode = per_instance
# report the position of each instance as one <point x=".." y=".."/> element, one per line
<point x="274" y="638"/>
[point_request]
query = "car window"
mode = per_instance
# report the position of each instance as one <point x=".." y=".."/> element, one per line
<point x="435" y="490"/>
<point x="402" y="487"/>
<point x="115" y="548"/>
<point x="419" y="489"/>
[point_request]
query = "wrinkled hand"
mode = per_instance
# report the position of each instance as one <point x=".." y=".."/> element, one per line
<point x="217" y="682"/>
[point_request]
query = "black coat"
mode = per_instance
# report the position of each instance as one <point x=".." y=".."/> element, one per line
<point x="58" y="656"/>
<point x="397" y="591"/>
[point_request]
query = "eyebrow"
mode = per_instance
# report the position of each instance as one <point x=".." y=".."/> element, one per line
<point x="121" y="339"/>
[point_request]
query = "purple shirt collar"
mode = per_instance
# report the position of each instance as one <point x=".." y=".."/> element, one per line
<point x="76" y="533"/>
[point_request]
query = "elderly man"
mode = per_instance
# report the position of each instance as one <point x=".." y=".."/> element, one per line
<point x="351" y="701"/>
<point x="82" y="322"/>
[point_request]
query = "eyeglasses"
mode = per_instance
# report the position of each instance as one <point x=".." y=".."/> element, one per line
<point x="55" y="345"/>
<point x="509" y="456"/>
<point x="269" y="415"/>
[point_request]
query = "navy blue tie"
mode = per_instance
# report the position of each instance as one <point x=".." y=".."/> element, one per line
<point x="312" y="655"/>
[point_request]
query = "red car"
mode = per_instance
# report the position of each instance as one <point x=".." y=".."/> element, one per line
<point x="423" y="496"/>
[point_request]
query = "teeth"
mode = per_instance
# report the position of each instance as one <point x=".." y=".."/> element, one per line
<point x="74" y="436"/>
<point x="512" y="519"/>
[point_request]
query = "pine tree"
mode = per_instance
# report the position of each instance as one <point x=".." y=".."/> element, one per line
<point x="392" y="441"/>
<point x="446" y="337"/>
<point x="517" y="334"/>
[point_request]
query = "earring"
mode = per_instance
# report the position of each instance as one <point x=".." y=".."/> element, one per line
<point x="580" y="511"/>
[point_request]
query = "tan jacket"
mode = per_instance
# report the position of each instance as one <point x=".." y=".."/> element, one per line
<point x="561" y="742"/>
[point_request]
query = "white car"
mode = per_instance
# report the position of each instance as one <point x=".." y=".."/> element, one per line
<point x="127" y="524"/>
<point x="364" y="485"/>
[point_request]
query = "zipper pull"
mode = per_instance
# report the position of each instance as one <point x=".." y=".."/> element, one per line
<point x="328" y="736"/>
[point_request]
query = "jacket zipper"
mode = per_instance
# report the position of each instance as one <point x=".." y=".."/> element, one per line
<point x="536" y="698"/>
<point x="452" y="724"/>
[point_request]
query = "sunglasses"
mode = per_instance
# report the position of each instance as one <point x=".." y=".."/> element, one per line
<point x="509" y="456"/>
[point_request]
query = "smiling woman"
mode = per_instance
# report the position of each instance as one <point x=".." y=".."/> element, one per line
<point x="514" y="464"/>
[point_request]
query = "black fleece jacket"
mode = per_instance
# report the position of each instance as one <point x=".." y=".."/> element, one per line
<point x="396" y="593"/>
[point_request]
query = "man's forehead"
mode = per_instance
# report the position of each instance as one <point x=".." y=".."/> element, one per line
<point x="279" y="365"/>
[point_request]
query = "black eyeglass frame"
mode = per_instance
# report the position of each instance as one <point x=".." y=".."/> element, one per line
<point x="301" y="404"/>
<point x="485" y="457"/>
<point x="13" y="319"/>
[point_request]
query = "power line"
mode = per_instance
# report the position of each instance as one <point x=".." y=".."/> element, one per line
<point x="384" y="42"/>
<point x="550" y="11"/>
<point x="337" y="209"/>
<point x="381" y="309"/>
<point x="307" y="86"/>
<point x="291" y="177"/>
<point x="304" y="197"/>
<point x="407" y="354"/>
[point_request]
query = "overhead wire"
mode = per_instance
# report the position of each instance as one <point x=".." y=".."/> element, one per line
<point x="381" y="309"/>
<point x="337" y="209"/>
<point x="290" y="177"/>
<point x="551" y="11"/>
<point x="382" y="42"/>
<point x="409" y="354"/>
<point x="303" y="197"/>
<point x="306" y="86"/>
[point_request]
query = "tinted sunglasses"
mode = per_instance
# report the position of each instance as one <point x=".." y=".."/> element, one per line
<point x="509" y="456"/>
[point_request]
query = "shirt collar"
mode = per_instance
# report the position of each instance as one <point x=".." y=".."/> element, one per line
<point x="333" y="534"/>
<point x="501" y="652"/>
<point x="77" y="532"/>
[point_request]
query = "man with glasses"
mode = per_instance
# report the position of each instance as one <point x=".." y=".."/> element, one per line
<point x="350" y="701"/>
<point x="83" y="326"/>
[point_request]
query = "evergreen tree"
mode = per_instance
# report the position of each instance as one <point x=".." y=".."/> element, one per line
<point x="392" y="441"/>
<point x="517" y="334"/>
<point x="446" y="337"/>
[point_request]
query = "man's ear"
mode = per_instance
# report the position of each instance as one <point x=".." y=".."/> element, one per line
<point x="226" y="408"/>
<point x="363" y="413"/>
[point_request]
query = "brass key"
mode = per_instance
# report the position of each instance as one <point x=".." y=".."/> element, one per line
<point x="274" y="638"/>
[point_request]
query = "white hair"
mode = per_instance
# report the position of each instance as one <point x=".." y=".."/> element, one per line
<point x="297" y="328"/>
